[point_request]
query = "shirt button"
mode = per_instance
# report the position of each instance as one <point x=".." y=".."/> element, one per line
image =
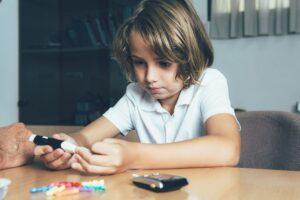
<point x="166" y="126"/>
<point x="165" y="117"/>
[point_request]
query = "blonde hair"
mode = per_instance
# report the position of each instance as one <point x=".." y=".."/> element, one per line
<point x="174" y="31"/>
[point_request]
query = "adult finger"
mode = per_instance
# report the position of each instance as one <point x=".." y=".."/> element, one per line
<point x="40" y="150"/>
<point x="61" y="162"/>
<point x="49" y="157"/>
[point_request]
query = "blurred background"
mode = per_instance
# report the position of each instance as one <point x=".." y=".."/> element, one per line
<point x="56" y="66"/>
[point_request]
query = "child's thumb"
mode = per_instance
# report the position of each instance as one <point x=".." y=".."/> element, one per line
<point x="112" y="140"/>
<point x="60" y="136"/>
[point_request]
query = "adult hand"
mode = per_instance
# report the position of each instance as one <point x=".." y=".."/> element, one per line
<point x="15" y="149"/>
<point x="108" y="157"/>
<point x="56" y="159"/>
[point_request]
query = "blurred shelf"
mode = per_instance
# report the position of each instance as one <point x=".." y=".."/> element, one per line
<point x="65" y="50"/>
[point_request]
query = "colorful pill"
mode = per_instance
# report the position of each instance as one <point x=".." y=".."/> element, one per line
<point x="51" y="191"/>
<point x="60" y="189"/>
<point x="63" y="188"/>
<point x="75" y="184"/>
<point x="55" y="190"/>
<point x="54" y="184"/>
<point x="39" y="189"/>
<point x="67" y="192"/>
<point x="99" y="188"/>
<point x="86" y="189"/>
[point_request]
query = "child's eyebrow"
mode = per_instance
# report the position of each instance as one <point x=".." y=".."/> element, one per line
<point x="156" y="58"/>
<point x="134" y="56"/>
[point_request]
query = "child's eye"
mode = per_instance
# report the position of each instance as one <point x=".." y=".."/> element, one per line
<point x="165" y="64"/>
<point x="137" y="62"/>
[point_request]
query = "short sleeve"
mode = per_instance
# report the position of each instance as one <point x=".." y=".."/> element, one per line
<point x="215" y="97"/>
<point x="120" y="115"/>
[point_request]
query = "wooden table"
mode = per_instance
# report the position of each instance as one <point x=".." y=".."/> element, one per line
<point x="204" y="183"/>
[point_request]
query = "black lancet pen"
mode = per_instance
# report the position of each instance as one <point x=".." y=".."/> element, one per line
<point x="54" y="143"/>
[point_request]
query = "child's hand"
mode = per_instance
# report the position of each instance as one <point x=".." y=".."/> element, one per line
<point x="56" y="159"/>
<point x="108" y="157"/>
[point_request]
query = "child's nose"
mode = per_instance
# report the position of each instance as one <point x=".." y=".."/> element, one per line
<point x="151" y="74"/>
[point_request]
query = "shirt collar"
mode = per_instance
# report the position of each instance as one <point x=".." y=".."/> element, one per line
<point x="148" y="103"/>
<point x="186" y="96"/>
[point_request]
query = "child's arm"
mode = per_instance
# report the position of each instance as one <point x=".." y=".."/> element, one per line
<point x="221" y="147"/>
<point x="96" y="131"/>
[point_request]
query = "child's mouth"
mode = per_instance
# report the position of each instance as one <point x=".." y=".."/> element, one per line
<point x="154" y="90"/>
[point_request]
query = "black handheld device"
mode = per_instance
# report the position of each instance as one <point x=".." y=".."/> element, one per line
<point x="160" y="182"/>
<point x="54" y="143"/>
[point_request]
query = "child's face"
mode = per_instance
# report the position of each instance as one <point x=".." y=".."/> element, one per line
<point x="155" y="75"/>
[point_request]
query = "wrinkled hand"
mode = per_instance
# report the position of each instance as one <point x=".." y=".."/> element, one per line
<point x="56" y="159"/>
<point x="108" y="157"/>
<point x="15" y="149"/>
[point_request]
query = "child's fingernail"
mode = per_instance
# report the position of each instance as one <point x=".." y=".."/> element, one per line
<point x="77" y="149"/>
<point x="75" y="165"/>
<point x="56" y="137"/>
<point x="85" y="149"/>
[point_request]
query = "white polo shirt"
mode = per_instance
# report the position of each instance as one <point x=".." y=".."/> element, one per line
<point x="138" y="110"/>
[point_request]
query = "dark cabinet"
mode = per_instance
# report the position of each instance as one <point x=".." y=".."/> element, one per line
<point x="67" y="75"/>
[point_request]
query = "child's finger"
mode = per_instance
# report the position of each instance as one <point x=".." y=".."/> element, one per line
<point x="93" y="169"/>
<point x="104" y="155"/>
<point x="93" y="159"/>
<point x="111" y="140"/>
<point x="40" y="150"/>
<point x="103" y="148"/>
<point x="77" y="166"/>
<point x="60" y="136"/>
<point x="84" y="152"/>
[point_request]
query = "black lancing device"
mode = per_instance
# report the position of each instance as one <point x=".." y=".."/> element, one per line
<point x="160" y="182"/>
